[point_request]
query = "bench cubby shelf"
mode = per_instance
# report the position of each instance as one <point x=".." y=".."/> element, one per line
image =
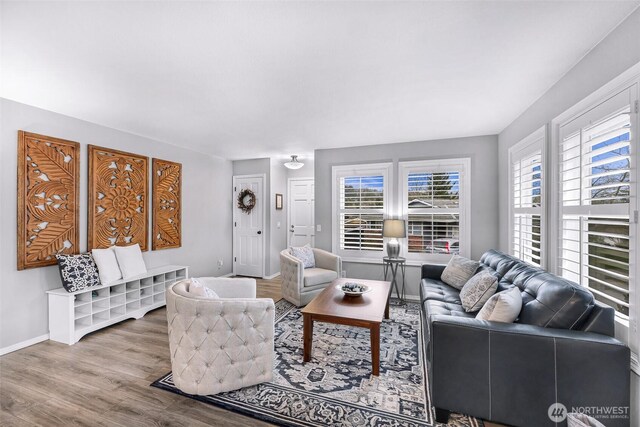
<point x="72" y="315"/>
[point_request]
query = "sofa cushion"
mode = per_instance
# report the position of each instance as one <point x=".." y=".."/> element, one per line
<point x="197" y="289"/>
<point x="304" y="254"/>
<point x="499" y="261"/>
<point x="432" y="307"/>
<point x="431" y="289"/>
<point x="317" y="276"/>
<point x="553" y="302"/>
<point x="502" y="307"/>
<point x="478" y="290"/>
<point x="458" y="271"/>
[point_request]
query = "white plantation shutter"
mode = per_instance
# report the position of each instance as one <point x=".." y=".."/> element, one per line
<point x="435" y="205"/>
<point x="527" y="198"/>
<point x="361" y="200"/>
<point x="597" y="183"/>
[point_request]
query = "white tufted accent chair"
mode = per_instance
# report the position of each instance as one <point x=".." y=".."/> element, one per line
<point x="221" y="344"/>
<point x="300" y="285"/>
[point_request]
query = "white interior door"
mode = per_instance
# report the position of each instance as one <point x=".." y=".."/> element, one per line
<point x="248" y="231"/>
<point x="301" y="208"/>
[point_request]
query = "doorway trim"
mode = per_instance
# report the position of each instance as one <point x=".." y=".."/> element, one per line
<point x="234" y="210"/>
<point x="289" y="204"/>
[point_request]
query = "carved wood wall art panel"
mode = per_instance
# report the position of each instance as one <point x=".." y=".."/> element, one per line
<point x="167" y="205"/>
<point x="48" y="194"/>
<point x="118" y="198"/>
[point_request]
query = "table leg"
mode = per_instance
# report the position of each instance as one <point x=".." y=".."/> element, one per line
<point x="375" y="348"/>
<point x="394" y="283"/>
<point x="403" y="298"/>
<point x="307" y="336"/>
<point x="386" y="308"/>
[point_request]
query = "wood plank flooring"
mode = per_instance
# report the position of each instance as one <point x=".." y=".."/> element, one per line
<point x="103" y="380"/>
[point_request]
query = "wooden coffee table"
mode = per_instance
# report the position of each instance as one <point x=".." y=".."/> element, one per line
<point x="366" y="311"/>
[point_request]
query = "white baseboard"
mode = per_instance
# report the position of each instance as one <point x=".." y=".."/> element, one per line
<point x="273" y="276"/>
<point x="23" y="344"/>
<point x="227" y="275"/>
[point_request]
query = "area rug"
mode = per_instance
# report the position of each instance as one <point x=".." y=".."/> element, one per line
<point x="336" y="388"/>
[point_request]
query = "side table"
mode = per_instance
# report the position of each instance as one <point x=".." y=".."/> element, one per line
<point x="393" y="265"/>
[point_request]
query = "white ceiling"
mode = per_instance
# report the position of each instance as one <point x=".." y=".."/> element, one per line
<point x="244" y="80"/>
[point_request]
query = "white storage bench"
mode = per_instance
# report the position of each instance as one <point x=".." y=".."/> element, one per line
<point x="72" y="315"/>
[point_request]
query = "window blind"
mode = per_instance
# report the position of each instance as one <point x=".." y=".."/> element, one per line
<point x="526" y="221"/>
<point x="362" y="206"/>
<point x="595" y="191"/>
<point x="435" y="205"/>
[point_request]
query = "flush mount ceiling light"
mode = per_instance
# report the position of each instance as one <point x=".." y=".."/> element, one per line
<point x="294" y="163"/>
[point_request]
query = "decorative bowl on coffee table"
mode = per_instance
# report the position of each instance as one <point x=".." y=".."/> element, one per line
<point x="353" y="289"/>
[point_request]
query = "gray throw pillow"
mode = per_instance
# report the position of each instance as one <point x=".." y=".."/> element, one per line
<point x="582" y="420"/>
<point x="502" y="307"/>
<point x="458" y="271"/>
<point x="478" y="290"/>
<point x="304" y="254"/>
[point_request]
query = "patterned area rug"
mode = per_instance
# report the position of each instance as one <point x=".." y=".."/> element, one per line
<point x="336" y="388"/>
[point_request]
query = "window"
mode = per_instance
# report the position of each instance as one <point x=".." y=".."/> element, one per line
<point x="527" y="203"/>
<point x="597" y="182"/>
<point x="435" y="205"/>
<point x="361" y="202"/>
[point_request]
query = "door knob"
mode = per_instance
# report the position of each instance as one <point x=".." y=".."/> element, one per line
<point x="259" y="232"/>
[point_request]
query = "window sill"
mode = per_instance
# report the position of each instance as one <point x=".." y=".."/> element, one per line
<point x="409" y="263"/>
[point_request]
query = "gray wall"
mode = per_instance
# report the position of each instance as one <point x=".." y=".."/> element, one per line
<point x="206" y="235"/>
<point x="619" y="51"/>
<point x="278" y="217"/>
<point x="482" y="150"/>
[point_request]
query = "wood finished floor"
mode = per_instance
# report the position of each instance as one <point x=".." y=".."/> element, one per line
<point x="103" y="380"/>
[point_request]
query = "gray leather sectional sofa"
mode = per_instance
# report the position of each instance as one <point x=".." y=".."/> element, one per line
<point x="560" y="349"/>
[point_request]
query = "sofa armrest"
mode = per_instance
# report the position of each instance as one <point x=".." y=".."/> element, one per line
<point x="327" y="260"/>
<point x="432" y="271"/>
<point x="291" y="271"/>
<point x="476" y="366"/>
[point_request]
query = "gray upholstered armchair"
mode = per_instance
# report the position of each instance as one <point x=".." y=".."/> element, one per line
<point x="220" y="344"/>
<point x="300" y="285"/>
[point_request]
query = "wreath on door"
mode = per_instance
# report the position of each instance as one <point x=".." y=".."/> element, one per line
<point x="246" y="201"/>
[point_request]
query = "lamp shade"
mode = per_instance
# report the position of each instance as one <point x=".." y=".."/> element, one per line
<point x="394" y="228"/>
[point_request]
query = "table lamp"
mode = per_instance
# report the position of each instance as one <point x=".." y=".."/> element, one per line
<point x="394" y="229"/>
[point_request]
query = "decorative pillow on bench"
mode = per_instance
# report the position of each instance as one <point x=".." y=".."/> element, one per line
<point x="107" y="264"/>
<point x="130" y="260"/>
<point x="78" y="272"/>
<point x="458" y="271"/>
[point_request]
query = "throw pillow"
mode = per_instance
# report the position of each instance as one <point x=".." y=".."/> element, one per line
<point x="107" y="264"/>
<point x="130" y="260"/>
<point x="198" y="289"/>
<point x="582" y="420"/>
<point x="304" y="254"/>
<point x="478" y="290"/>
<point x="78" y="272"/>
<point x="458" y="271"/>
<point x="502" y="307"/>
